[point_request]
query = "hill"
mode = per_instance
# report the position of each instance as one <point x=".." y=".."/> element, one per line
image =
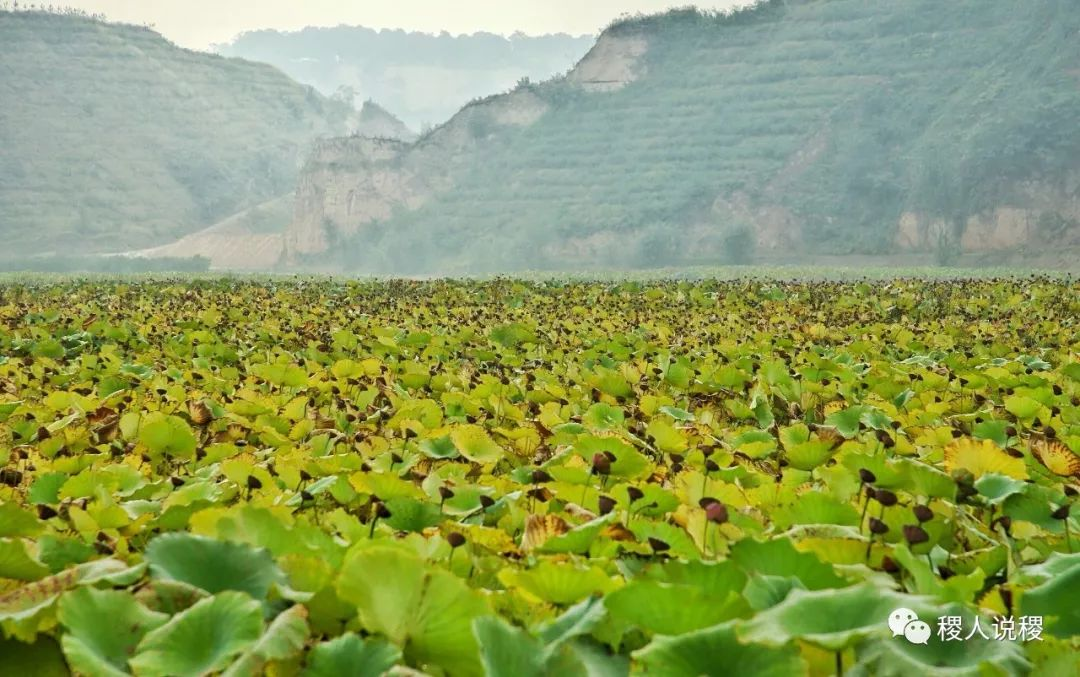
<point x="423" y="78"/>
<point x="113" y="138"/>
<point x="797" y="129"/>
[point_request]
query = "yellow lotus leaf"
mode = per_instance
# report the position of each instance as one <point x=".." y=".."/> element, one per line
<point x="1057" y="457"/>
<point x="981" y="457"/>
<point x="539" y="528"/>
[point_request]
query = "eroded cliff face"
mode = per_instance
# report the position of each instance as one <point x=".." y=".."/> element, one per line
<point x="349" y="183"/>
<point x="1034" y="214"/>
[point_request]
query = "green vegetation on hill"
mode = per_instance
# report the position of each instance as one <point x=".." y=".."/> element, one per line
<point x="840" y="115"/>
<point x="114" y="139"/>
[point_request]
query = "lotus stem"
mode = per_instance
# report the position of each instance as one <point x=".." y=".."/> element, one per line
<point x="839" y="663"/>
<point x="865" y="505"/>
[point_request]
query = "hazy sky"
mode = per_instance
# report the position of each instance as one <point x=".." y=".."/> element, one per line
<point x="200" y="23"/>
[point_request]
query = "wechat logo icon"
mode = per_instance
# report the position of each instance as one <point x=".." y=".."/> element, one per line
<point x="906" y="623"/>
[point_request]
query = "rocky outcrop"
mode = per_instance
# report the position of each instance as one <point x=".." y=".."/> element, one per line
<point x="351" y="182"/>
<point x="612" y="64"/>
<point x="1037" y="213"/>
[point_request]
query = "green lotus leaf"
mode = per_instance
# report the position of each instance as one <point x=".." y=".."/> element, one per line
<point x="997" y="488"/>
<point x="439" y="447"/>
<point x="713" y="578"/>
<point x="888" y="476"/>
<point x="716" y="652"/>
<point x="831" y="543"/>
<point x="834" y="620"/>
<point x="895" y="657"/>
<point x="287" y="375"/>
<point x="265" y="528"/>
<point x="558" y="583"/>
<point x="475" y="444"/>
<point x="168" y="436"/>
<point x="816" y="508"/>
<point x="876" y="419"/>
<point x="604" y="417"/>
<point x="425" y="611"/>
<point x="201" y="639"/>
<point x="1056" y="564"/>
<point x="576" y="621"/>
<point x="755" y="443"/>
<point x="46" y="488"/>
<point x="570" y="429"/>
<point x="8" y="408"/>
<point x="809" y="455"/>
<point x="1072" y="370"/>
<point x="672" y="609"/>
<point x="50" y="348"/>
<point x="666" y="437"/>
<point x="26" y="601"/>
<point x="1055" y="600"/>
<point x="350" y="655"/>
<point x="59" y="553"/>
<point x="794" y="435"/>
<point x="959" y="588"/>
<point x="284" y="638"/>
<point x="677" y="414"/>
<point x="103" y="629"/>
<point x="990" y="560"/>
<point x="779" y="557"/>
<point x="512" y="335"/>
<point x="924" y="480"/>
<point x="654" y="502"/>
<point x="584" y="656"/>
<point x="14" y="521"/>
<point x="409" y="514"/>
<point x="611" y="383"/>
<point x="345" y="369"/>
<point x="1035" y="504"/>
<point x="212" y="565"/>
<point x="578" y="539"/>
<point x="679" y="373"/>
<point x="993" y="431"/>
<point x="18" y="563"/>
<point x="170" y="597"/>
<point x="42" y="658"/>
<point x="629" y="463"/>
<point x="762" y="592"/>
<point x="675" y="536"/>
<point x="847" y="421"/>
<point x="1022" y="407"/>
<point x="507" y="651"/>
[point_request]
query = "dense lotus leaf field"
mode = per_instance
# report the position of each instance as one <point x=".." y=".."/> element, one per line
<point x="743" y="477"/>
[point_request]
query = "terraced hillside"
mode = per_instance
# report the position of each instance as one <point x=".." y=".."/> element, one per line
<point x="112" y="138"/>
<point x="798" y="128"/>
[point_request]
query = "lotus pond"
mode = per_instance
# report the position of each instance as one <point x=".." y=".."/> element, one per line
<point x="741" y="477"/>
